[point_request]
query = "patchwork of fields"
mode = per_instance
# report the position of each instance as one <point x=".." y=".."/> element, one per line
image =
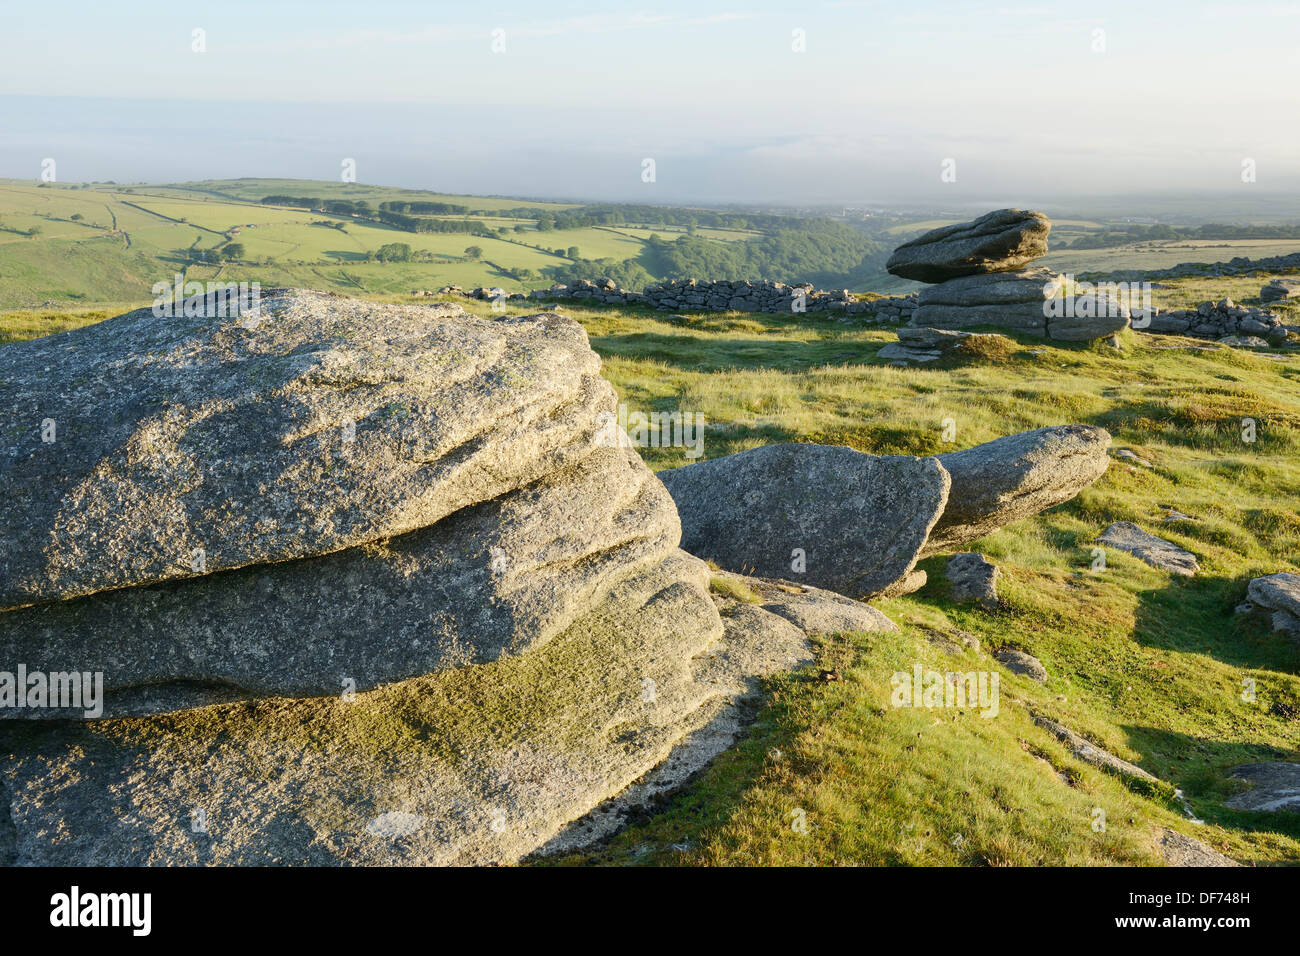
<point x="107" y="244"/>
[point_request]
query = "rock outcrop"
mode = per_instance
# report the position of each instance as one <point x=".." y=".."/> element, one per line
<point x="433" y="620"/>
<point x="855" y="523"/>
<point x="479" y="764"/>
<point x="1275" y="787"/>
<point x="1032" y="302"/>
<point x="1178" y="849"/>
<point x="498" y="578"/>
<point x="999" y="241"/>
<point x="1010" y="478"/>
<point x="929" y="345"/>
<point x="980" y="276"/>
<point x="1278" y="594"/>
<point x="1090" y="753"/>
<point x="184" y="446"/>
<point x="1022" y="663"/>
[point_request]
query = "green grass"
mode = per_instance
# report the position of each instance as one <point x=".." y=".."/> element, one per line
<point x="1145" y="664"/>
<point x="130" y="237"/>
<point x="1163" y="254"/>
<point x="734" y="589"/>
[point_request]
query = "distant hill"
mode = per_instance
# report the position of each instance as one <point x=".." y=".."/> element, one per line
<point x="110" y="243"/>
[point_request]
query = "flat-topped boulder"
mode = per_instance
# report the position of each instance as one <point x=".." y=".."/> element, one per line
<point x="1157" y="552"/>
<point x="1031" y="302"/>
<point x="1279" y="290"/>
<point x="145" y="449"/>
<point x="1011" y="478"/>
<point x="999" y="241"/>
<point x="837" y="518"/>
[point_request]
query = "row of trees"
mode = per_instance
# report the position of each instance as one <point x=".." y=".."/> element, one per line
<point x="425" y="208"/>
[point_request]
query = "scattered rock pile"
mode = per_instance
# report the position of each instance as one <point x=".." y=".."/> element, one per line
<point x="713" y="295"/>
<point x="1219" y="320"/>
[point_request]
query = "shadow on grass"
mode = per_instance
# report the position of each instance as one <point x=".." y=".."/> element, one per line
<point x="1201" y="769"/>
<point x="1198" y="616"/>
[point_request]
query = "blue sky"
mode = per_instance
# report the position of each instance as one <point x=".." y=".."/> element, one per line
<point x="1027" y="99"/>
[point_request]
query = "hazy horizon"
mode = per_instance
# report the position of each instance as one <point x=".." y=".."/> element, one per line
<point x="1030" y="103"/>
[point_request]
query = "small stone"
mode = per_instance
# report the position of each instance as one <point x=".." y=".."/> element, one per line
<point x="1131" y="456"/>
<point x="1157" y="552"/>
<point x="973" y="578"/>
<point x="1023" y="663"/>
<point x="1276" y="787"/>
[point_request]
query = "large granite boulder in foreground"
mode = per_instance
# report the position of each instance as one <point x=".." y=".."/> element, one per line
<point x="438" y="619"/>
<point x="1015" y="477"/>
<point x="999" y="241"/>
<point x="184" y="446"/>
<point x="472" y="765"/>
<point x="840" y="519"/>
<point x="498" y="578"/>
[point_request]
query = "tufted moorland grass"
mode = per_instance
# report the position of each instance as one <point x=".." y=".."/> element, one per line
<point x="1149" y="666"/>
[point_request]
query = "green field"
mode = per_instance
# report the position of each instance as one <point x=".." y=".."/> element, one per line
<point x="1161" y="255"/>
<point x="128" y="237"/>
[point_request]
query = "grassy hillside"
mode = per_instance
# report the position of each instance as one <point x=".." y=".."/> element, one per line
<point x="1145" y="664"/>
<point x="105" y="243"/>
